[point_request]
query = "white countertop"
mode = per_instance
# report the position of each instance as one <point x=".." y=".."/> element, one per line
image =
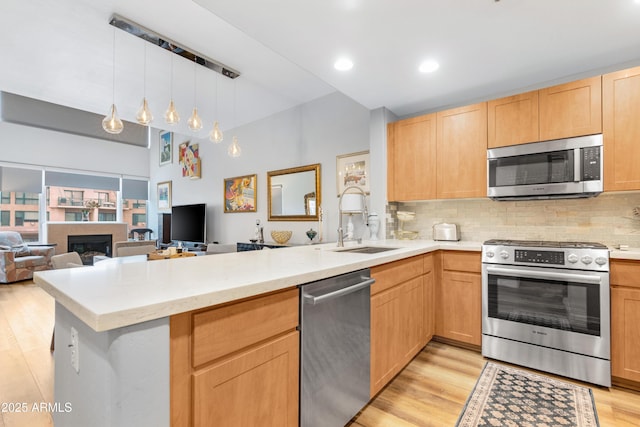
<point x="630" y="253"/>
<point x="125" y="291"/>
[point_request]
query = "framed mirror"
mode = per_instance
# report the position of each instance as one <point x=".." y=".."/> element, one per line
<point x="294" y="194"/>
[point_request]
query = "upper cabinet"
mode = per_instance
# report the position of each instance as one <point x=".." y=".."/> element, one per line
<point x="462" y="152"/>
<point x="562" y="111"/>
<point x="513" y="120"/>
<point x="411" y="156"/>
<point x="621" y="129"/>
<point x="571" y="109"/>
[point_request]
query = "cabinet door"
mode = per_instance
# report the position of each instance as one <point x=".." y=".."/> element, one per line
<point x="258" y="387"/>
<point x="621" y="129"/>
<point x="411" y="151"/>
<point x="459" y="306"/>
<point x="462" y="152"/>
<point x="625" y="333"/>
<point x="396" y="330"/>
<point x="571" y="109"/>
<point x="513" y="120"/>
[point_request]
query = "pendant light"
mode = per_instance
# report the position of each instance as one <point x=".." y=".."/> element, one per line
<point x="194" y="122"/>
<point x="171" y="116"/>
<point x="144" y="116"/>
<point x="216" y="134"/>
<point x="112" y="123"/>
<point x="234" y="149"/>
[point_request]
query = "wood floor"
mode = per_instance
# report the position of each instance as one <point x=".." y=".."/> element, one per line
<point x="430" y="391"/>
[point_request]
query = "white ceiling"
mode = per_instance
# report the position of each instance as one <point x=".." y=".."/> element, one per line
<point x="62" y="51"/>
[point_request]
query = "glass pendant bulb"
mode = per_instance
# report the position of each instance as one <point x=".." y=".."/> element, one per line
<point x="171" y="116"/>
<point x="234" y="149"/>
<point x="216" y="134"/>
<point x="194" y="122"/>
<point x="144" y="116"/>
<point x="112" y="123"/>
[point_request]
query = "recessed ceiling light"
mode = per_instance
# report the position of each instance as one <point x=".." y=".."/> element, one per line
<point x="428" y="66"/>
<point x="343" y="64"/>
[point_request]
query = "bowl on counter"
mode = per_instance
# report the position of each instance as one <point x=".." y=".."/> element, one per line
<point x="281" y="236"/>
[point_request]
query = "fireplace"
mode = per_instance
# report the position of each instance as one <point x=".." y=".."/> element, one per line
<point x="90" y="245"/>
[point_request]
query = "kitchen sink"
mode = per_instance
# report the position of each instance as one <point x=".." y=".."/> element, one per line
<point x="366" y="249"/>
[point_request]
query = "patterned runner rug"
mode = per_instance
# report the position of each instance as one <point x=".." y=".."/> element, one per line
<point x="505" y="396"/>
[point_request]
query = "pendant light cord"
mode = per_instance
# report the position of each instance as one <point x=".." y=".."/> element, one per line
<point x="195" y="96"/>
<point x="113" y="95"/>
<point x="144" y="74"/>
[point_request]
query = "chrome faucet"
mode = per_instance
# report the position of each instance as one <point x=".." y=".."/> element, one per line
<point x="364" y="212"/>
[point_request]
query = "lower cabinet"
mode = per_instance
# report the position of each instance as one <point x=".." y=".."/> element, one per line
<point x="397" y="318"/>
<point x="237" y="364"/>
<point x="428" y="282"/>
<point x="459" y="297"/>
<point x="625" y="318"/>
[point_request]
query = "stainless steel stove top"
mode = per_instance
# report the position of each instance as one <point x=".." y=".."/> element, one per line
<point x="587" y="256"/>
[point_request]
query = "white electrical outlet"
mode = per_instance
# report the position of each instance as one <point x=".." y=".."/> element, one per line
<point x="75" y="349"/>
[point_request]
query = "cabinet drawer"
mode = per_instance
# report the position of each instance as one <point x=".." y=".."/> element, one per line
<point x="393" y="273"/>
<point x="221" y="331"/>
<point x="462" y="261"/>
<point x="625" y="273"/>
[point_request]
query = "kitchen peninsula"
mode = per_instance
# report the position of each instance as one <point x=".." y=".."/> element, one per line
<point x="122" y="311"/>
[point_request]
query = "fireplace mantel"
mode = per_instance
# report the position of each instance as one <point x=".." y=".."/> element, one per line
<point x="58" y="232"/>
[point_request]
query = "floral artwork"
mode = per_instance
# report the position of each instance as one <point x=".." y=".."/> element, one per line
<point x="189" y="156"/>
<point x="240" y="194"/>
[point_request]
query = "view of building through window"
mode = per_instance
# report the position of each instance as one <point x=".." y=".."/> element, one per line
<point x="21" y="211"/>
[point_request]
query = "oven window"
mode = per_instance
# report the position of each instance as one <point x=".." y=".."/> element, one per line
<point x="560" y="305"/>
<point x="541" y="168"/>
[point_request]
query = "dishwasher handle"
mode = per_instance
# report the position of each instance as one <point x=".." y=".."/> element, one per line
<point x="313" y="300"/>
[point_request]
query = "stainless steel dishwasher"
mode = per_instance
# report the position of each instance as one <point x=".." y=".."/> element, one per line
<point x="335" y="348"/>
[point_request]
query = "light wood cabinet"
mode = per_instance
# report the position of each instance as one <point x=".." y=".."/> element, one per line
<point x="571" y="109"/>
<point x="411" y="159"/>
<point x="236" y="363"/>
<point x="561" y="111"/>
<point x="397" y="318"/>
<point x="513" y="120"/>
<point x="462" y="152"/>
<point x="621" y="129"/>
<point x="625" y="318"/>
<point x="459" y="297"/>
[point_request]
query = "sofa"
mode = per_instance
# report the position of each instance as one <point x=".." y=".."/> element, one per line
<point x="18" y="260"/>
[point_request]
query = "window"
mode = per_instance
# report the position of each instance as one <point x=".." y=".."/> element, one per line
<point x="27" y="198"/>
<point x="72" y="216"/>
<point x="5" y="218"/>
<point x="28" y="217"/>
<point x="5" y="198"/>
<point x="106" y="216"/>
<point x="72" y="198"/>
<point x="139" y="219"/>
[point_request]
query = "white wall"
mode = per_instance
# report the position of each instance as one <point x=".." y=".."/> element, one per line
<point x="315" y="132"/>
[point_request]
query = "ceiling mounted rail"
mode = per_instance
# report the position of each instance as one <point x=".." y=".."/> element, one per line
<point x="161" y="41"/>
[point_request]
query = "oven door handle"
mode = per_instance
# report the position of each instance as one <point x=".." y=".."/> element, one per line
<point x="515" y="272"/>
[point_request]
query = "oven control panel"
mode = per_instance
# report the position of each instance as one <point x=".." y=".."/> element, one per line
<point x="539" y="257"/>
<point x="569" y="258"/>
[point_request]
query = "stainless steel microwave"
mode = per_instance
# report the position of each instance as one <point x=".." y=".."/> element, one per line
<point x="562" y="168"/>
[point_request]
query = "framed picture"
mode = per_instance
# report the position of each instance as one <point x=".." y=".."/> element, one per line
<point x="353" y="170"/>
<point x="190" y="160"/>
<point x="164" y="195"/>
<point x="166" y="148"/>
<point x="240" y="194"/>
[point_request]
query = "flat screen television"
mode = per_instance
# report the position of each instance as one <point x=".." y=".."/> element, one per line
<point x="189" y="223"/>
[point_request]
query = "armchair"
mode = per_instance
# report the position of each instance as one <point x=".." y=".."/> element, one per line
<point x="18" y="261"/>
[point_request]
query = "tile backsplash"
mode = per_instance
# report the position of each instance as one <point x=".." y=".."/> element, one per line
<point x="608" y="218"/>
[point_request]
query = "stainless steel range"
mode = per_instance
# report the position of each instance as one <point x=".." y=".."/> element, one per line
<point x="545" y="305"/>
